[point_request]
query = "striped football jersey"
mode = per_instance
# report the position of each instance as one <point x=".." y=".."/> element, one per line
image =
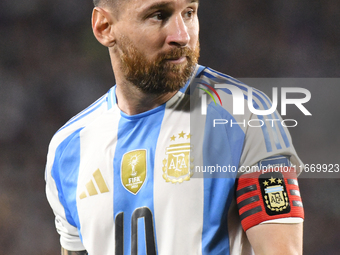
<point x="142" y="184"/>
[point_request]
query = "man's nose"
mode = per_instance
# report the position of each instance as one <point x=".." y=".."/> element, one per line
<point x="177" y="32"/>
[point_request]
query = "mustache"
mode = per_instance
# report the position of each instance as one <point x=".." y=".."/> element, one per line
<point x="175" y="53"/>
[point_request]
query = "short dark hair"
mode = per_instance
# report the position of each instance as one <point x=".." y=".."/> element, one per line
<point x="99" y="2"/>
<point x="114" y="5"/>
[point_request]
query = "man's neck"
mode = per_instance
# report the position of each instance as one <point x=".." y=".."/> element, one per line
<point x="133" y="101"/>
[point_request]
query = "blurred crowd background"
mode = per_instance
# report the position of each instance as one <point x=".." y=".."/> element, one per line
<point x="51" y="67"/>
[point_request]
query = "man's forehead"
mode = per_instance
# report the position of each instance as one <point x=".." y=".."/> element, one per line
<point x="145" y="4"/>
<point x="166" y="1"/>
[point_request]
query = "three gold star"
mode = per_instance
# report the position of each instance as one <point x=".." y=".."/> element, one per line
<point x="180" y="135"/>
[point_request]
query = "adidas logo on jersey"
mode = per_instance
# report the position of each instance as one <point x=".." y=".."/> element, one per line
<point x="91" y="188"/>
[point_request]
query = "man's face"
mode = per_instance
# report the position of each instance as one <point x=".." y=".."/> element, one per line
<point x="157" y="42"/>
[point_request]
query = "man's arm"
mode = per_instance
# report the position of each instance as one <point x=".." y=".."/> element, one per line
<point x="278" y="239"/>
<point x="66" y="252"/>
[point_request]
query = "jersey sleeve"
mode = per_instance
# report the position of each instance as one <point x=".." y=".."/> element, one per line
<point x="270" y="140"/>
<point x="69" y="236"/>
<point x="256" y="143"/>
<point x="267" y="188"/>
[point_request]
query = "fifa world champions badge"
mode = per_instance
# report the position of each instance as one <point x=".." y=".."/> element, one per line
<point x="178" y="164"/>
<point x="133" y="170"/>
<point x="274" y="193"/>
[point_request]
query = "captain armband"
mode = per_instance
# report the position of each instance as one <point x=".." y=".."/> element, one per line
<point x="268" y="196"/>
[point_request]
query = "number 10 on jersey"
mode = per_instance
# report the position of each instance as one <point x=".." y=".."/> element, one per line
<point x="142" y="212"/>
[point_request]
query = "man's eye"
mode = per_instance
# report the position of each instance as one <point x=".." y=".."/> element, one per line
<point x="158" y="16"/>
<point x="190" y="13"/>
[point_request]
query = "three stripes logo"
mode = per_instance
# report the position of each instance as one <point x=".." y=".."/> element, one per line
<point x="95" y="186"/>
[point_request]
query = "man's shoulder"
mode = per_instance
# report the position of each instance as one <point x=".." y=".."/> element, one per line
<point x="208" y="72"/>
<point x="83" y="119"/>
<point x="215" y="77"/>
<point x="227" y="87"/>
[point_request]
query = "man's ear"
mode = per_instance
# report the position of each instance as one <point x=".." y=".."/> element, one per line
<point x="102" y="26"/>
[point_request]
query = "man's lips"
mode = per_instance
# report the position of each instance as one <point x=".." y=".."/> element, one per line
<point x="177" y="60"/>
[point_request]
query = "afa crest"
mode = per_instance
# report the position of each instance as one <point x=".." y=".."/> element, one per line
<point x="274" y="193"/>
<point x="178" y="165"/>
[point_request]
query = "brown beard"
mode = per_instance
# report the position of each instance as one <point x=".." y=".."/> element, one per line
<point x="157" y="76"/>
